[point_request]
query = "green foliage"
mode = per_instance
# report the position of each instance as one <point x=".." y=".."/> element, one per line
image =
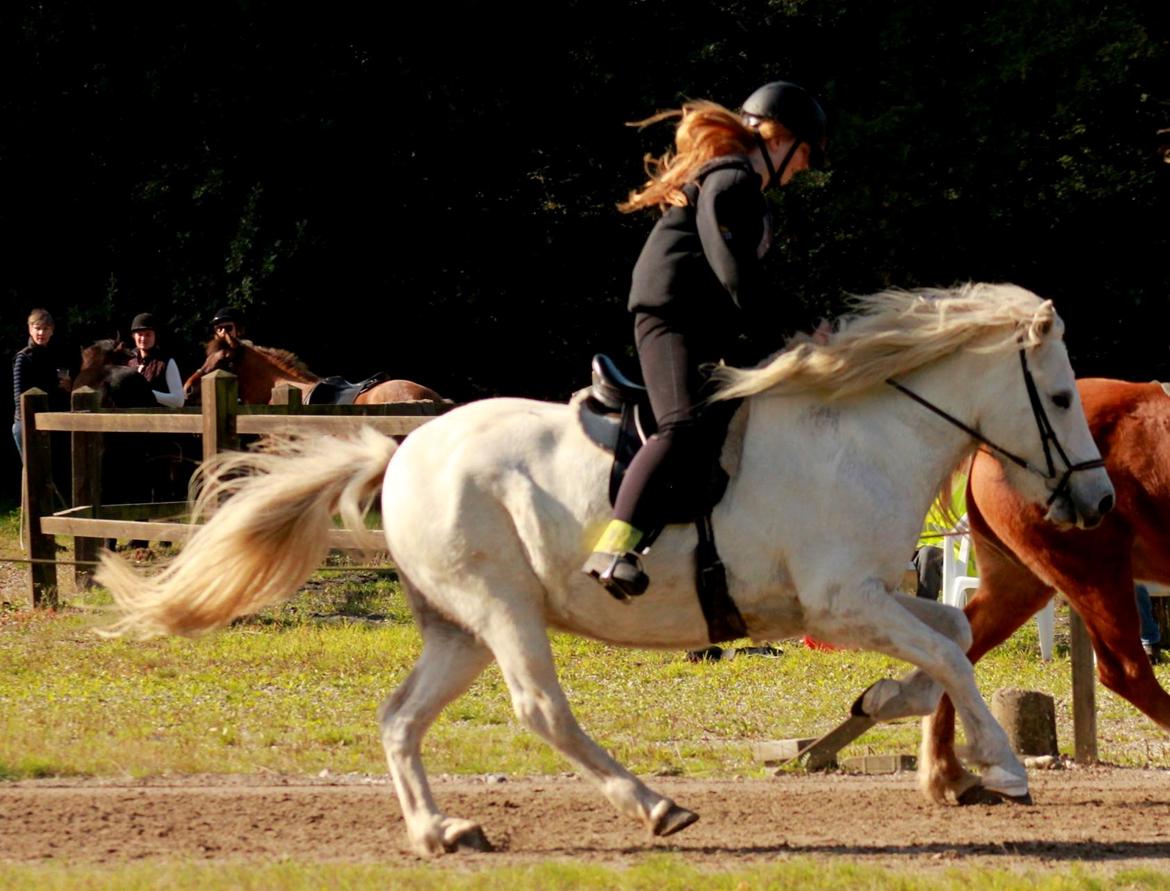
<point x="459" y="181"/>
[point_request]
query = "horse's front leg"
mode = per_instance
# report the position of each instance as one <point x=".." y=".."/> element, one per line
<point x="870" y="618"/>
<point x="916" y="693"/>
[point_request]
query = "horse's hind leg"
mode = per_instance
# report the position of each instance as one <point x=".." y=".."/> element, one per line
<point x="521" y="648"/>
<point x="451" y="659"/>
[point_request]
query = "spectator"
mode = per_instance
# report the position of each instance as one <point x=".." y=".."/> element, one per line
<point x="42" y="366"/>
<point x="1150" y="631"/>
<point x="150" y="361"/>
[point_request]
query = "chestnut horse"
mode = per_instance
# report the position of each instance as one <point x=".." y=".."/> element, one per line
<point x="260" y="369"/>
<point x="1023" y="560"/>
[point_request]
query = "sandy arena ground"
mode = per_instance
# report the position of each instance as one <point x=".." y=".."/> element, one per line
<point x="1107" y="818"/>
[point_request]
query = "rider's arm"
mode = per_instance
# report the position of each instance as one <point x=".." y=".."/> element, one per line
<point x="175" y="397"/>
<point x="730" y="220"/>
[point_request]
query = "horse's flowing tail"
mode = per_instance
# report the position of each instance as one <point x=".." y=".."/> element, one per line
<point x="270" y="512"/>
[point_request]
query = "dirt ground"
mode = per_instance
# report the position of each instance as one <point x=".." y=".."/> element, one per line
<point x="1106" y="818"/>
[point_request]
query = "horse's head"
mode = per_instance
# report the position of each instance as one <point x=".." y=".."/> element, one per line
<point x="223" y="354"/>
<point x="1036" y="418"/>
<point x="97" y="359"/>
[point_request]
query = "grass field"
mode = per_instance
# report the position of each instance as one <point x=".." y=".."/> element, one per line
<point x="295" y="689"/>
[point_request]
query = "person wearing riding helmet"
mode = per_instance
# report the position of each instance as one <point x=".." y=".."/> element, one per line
<point x="159" y="369"/>
<point x="228" y="320"/>
<point x="698" y="289"/>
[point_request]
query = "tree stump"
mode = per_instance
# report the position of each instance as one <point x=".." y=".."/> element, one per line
<point x="1028" y="717"/>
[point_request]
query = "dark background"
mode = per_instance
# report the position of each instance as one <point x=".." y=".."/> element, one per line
<point x="430" y="189"/>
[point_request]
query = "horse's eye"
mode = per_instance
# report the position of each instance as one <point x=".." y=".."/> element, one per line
<point x="1062" y="399"/>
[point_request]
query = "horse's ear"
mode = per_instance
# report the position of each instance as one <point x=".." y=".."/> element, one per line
<point x="1043" y="321"/>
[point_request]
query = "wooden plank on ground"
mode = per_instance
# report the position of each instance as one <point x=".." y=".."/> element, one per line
<point x="822" y="753"/>
<point x="874" y="764"/>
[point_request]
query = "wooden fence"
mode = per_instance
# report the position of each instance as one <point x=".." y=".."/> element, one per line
<point x="221" y="421"/>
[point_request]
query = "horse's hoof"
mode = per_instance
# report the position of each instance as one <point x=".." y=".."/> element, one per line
<point x="978" y="794"/>
<point x="676" y="819"/>
<point x="982" y="795"/>
<point x="472" y="840"/>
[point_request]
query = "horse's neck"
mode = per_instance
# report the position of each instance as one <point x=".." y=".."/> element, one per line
<point x="879" y="440"/>
<point x="264" y="372"/>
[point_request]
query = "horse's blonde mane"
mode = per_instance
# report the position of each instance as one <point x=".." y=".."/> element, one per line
<point x="894" y="332"/>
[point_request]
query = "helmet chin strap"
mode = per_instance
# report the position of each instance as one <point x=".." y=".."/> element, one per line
<point x="775" y="175"/>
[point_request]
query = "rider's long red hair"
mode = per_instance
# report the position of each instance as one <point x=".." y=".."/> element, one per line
<point x="706" y="130"/>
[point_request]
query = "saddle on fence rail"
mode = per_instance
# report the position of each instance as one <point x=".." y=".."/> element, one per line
<point x="338" y="391"/>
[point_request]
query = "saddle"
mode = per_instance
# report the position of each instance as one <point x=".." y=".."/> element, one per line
<point x="612" y="392"/>
<point x="338" y="391"/>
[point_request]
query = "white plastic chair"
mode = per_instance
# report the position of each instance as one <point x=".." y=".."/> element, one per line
<point x="956" y="547"/>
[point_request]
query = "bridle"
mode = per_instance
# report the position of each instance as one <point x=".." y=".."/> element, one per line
<point x="1048" y="438"/>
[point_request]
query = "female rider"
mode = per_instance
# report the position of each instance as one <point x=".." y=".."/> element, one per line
<point x="698" y="291"/>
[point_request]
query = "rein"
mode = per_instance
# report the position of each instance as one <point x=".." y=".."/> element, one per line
<point x="1048" y="438"/>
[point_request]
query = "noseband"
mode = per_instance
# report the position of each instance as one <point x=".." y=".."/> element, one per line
<point x="1048" y="438"/>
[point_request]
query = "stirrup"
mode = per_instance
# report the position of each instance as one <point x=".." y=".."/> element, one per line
<point x="620" y="574"/>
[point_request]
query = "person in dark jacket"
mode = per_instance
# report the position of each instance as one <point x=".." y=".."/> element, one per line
<point x="42" y="366"/>
<point x="153" y="364"/>
<point x="698" y="294"/>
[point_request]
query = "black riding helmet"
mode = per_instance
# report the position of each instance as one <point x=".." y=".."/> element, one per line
<point x="227" y="314"/>
<point x="801" y="114"/>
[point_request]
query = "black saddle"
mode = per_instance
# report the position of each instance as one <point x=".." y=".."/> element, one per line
<point x="339" y="391"/>
<point x="612" y="392"/>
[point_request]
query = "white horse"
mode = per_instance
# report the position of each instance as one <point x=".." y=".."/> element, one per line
<point x="490" y="510"/>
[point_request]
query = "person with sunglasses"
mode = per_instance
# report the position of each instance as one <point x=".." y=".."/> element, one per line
<point x="698" y="293"/>
<point x="228" y="320"/>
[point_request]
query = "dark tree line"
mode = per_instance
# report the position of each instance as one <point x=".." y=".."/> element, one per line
<point x="434" y="195"/>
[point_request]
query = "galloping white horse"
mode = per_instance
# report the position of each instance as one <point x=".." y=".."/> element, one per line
<point x="490" y="510"/>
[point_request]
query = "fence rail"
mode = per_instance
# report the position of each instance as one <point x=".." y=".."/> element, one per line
<point x="220" y="422"/>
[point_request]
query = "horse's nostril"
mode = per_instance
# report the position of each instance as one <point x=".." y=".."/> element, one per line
<point x="1105" y="506"/>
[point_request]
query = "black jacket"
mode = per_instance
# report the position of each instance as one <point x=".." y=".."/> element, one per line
<point x="700" y="266"/>
<point x="36" y="366"/>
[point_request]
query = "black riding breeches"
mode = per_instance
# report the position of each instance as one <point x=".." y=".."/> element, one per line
<point x="678" y="455"/>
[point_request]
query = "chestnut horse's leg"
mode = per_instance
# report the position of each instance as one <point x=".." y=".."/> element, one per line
<point x="1009" y="594"/>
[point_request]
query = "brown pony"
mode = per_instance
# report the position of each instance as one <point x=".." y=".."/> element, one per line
<point x="1023" y="560"/>
<point x="104" y="368"/>
<point x="260" y="369"/>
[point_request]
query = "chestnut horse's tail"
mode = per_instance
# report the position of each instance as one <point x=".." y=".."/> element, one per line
<point x="269" y="514"/>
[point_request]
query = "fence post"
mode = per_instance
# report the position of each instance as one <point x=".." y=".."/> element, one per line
<point x="219" y="413"/>
<point x="87" y="481"/>
<point x="37" y="495"/>
<point x="1084" y="680"/>
<point x="287" y="395"/>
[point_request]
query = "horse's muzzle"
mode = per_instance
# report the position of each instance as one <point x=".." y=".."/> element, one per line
<point x="1083" y="506"/>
